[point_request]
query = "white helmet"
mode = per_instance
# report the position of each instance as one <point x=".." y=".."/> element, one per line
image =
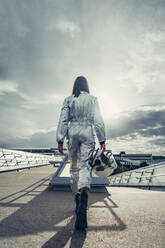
<point x="102" y="164"/>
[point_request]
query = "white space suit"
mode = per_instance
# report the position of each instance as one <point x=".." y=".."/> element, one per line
<point x="79" y="116"/>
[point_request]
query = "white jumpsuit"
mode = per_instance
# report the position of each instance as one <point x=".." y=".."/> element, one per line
<point x="79" y="116"/>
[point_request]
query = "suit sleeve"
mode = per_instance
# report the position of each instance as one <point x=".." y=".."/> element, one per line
<point x="62" y="127"/>
<point x="99" y="123"/>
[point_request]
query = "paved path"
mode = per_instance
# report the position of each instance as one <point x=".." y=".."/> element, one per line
<point x="31" y="216"/>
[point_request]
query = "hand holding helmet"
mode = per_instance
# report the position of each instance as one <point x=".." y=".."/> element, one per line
<point x="102" y="164"/>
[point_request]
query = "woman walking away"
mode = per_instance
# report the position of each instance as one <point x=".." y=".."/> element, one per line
<point x="80" y="115"/>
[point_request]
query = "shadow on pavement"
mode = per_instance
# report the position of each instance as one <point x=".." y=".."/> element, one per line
<point x="51" y="211"/>
<point x="65" y="235"/>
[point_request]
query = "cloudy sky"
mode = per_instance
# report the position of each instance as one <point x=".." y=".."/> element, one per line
<point x="118" y="45"/>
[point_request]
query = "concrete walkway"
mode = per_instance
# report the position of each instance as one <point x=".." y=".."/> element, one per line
<point x="31" y="216"/>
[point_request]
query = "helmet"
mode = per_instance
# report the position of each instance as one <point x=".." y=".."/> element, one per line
<point x="102" y="164"/>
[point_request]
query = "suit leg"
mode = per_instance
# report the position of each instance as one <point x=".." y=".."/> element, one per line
<point x="85" y="169"/>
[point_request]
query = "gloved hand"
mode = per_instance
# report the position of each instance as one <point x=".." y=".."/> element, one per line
<point x="60" y="147"/>
<point x="102" y="146"/>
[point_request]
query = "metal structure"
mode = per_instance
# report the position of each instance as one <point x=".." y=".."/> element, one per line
<point x="133" y="162"/>
<point x="149" y="176"/>
<point x="11" y="160"/>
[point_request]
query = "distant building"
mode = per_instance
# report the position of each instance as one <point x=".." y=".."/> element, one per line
<point x="144" y="157"/>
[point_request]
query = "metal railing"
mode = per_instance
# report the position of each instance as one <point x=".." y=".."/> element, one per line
<point x="17" y="160"/>
<point x="152" y="175"/>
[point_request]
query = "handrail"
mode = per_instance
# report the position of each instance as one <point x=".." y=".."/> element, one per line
<point x="11" y="160"/>
<point x="143" y="168"/>
<point x="155" y="176"/>
<point x="160" y="175"/>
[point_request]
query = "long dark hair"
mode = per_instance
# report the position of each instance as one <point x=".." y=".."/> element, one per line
<point x="80" y="84"/>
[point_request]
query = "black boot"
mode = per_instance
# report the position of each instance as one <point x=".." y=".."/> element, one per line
<point x="81" y="217"/>
<point x="77" y="201"/>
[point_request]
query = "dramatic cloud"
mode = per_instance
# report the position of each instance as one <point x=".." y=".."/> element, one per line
<point x="117" y="45"/>
<point x="147" y="121"/>
<point x="137" y="144"/>
<point x="140" y="130"/>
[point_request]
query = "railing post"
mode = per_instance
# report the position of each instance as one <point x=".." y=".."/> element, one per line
<point x="150" y="179"/>
<point x="3" y="155"/>
<point x="140" y="178"/>
<point x="121" y="178"/>
<point x="129" y="177"/>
